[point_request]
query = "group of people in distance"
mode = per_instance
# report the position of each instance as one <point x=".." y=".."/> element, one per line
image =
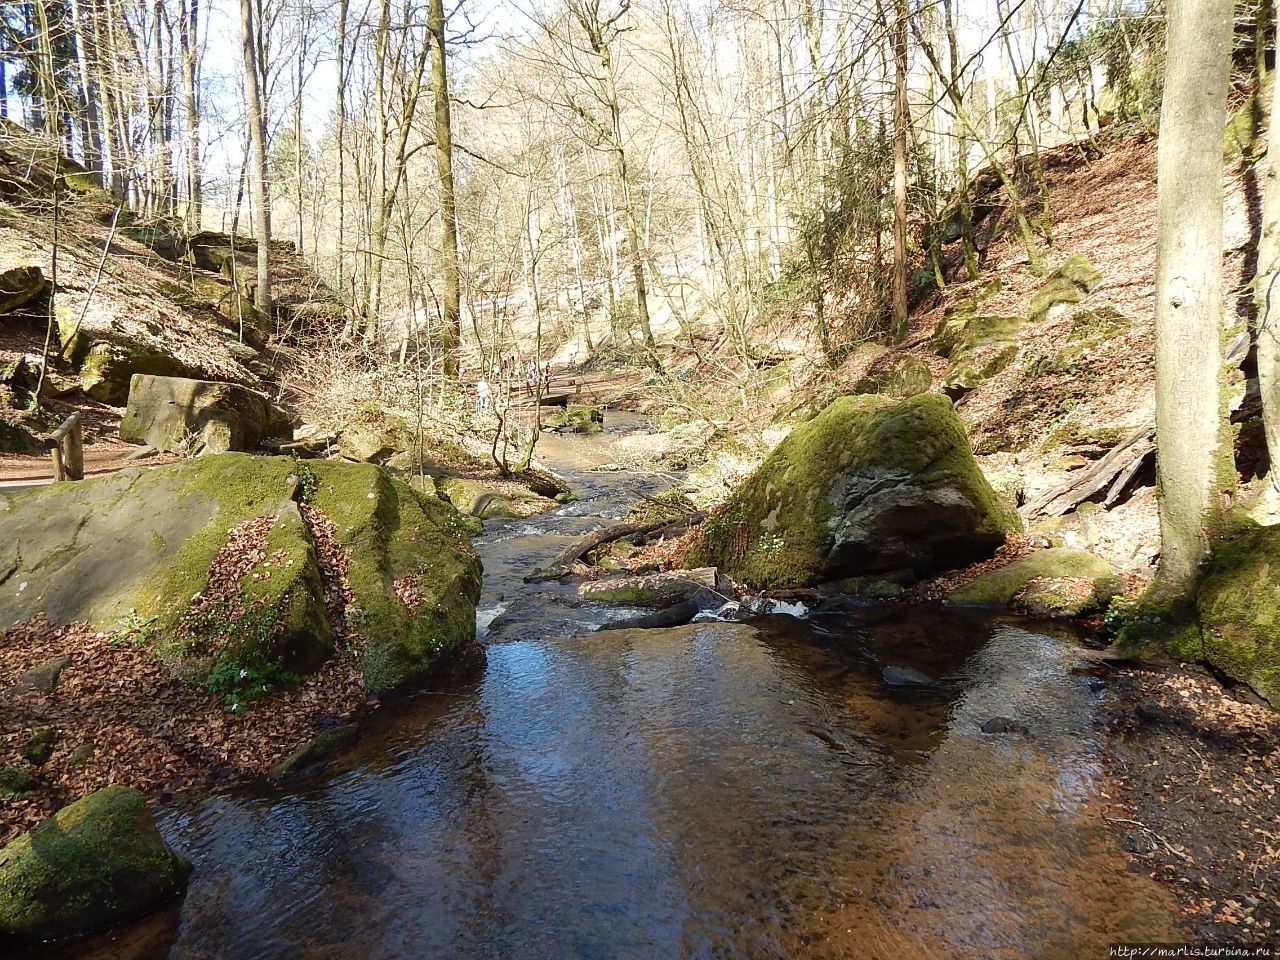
<point x="505" y="369"/>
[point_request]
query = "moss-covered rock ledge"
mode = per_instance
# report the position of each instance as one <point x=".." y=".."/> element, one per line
<point x="93" y="863"/>
<point x="868" y="485"/>
<point x="221" y="562"/>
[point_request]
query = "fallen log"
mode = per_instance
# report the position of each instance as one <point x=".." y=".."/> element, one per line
<point x="1110" y="476"/>
<point x="575" y="551"/>
<point x="654" y="589"/>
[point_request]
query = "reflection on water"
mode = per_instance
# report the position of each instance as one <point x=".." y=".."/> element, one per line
<point x="716" y="790"/>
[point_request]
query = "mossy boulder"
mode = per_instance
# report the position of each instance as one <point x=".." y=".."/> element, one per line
<point x="15" y="438"/>
<point x="476" y="499"/>
<point x="199" y="416"/>
<point x="1238" y="604"/>
<point x="414" y="577"/>
<point x="655" y="590"/>
<point x="1058" y="582"/>
<point x="1069" y="282"/>
<point x="375" y="437"/>
<point x="898" y="375"/>
<point x="868" y="485"/>
<point x="164" y="236"/>
<point x="985" y="347"/>
<point x="108" y="367"/>
<point x="576" y="418"/>
<point x="95" y="862"/>
<point x="19" y="286"/>
<point x="1090" y="329"/>
<point x="137" y="547"/>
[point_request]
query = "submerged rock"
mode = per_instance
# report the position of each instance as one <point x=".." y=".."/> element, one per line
<point x="1058" y="582"/>
<point x="93" y="863"/>
<point x="198" y="416"/>
<point x="906" y="678"/>
<point x="674" y="616"/>
<point x="315" y="750"/>
<point x="866" y="486"/>
<point x="137" y="547"/>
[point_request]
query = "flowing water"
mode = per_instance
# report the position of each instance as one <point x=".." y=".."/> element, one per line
<point x="718" y="790"/>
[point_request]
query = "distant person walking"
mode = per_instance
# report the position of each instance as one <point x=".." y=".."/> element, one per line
<point x="482" y="395"/>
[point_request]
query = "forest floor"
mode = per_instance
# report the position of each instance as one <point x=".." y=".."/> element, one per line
<point x="123" y="718"/>
<point x="1195" y="766"/>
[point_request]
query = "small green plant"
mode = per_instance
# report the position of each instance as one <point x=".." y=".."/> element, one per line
<point x="133" y="628"/>
<point x="239" y="682"/>
<point x="308" y="483"/>
<point x="769" y="543"/>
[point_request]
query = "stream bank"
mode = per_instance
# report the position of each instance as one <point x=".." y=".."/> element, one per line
<point x="742" y="789"/>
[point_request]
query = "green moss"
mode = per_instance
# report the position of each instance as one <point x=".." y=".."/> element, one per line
<point x="393" y="533"/>
<point x="1036" y="582"/>
<point x="1245" y="135"/>
<point x="95" y="862"/>
<point x="40" y="747"/>
<point x="1238" y="604"/>
<point x="16" y="782"/>
<point x="578" y="418"/>
<point x="1070" y="282"/>
<point x="898" y="375"/>
<point x="780" y="526"/>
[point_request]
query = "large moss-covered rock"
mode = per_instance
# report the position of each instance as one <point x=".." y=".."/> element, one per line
<point x="576" y="418"/>
<point x="413" y="574"/>
<point x="19" y="286"/>
<point x="1058" y="582"/>
<point x="868" y="485"/>
<point x="198" y="416"/>
<point x="1070" y="282"/>
<point x="375" y="437"/>
<point x="1238" y="604"/>
<point x="986" y="346"/>
<point x="93" y="863"/>
<point x="108" y="366"/>
<point x="137" y="547"/>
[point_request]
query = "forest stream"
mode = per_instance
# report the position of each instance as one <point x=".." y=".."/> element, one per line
<point x="723" y="789"/>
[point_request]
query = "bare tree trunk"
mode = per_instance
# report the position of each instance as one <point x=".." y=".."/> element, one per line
<point x="258" y="149"/>
<point x="1193" y="446"/>
<point x="188" y="39"/>
<point x="900" y="123"/>
<point x="450" y="271"/>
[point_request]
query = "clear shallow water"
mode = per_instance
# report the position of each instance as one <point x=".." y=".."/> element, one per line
<point x="716" y="790"/>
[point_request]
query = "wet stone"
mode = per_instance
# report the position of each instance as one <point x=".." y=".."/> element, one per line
<point x="1004" y="725"/>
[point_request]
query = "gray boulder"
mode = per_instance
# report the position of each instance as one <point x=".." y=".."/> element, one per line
<point x="203" y="416"/>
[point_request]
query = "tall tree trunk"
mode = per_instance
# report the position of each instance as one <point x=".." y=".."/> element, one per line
<point x="1267" y="288"/>
<point x="258" y="150"/>
<point x="900" y="122"/>
<point x="450" y="272"/>
<point x="343" y="6"/>
<point x="1193" y="446"/>
<point x="189" y="41"/>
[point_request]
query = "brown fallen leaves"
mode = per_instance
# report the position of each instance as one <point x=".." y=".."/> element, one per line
<point x="147" y="729"/>
<point x="1198" y="770"/>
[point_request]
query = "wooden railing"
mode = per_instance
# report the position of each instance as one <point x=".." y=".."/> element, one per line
<point x="66" y="450"/>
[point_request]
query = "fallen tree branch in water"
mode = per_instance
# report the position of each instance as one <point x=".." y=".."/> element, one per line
<point x="579" y="548"/>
